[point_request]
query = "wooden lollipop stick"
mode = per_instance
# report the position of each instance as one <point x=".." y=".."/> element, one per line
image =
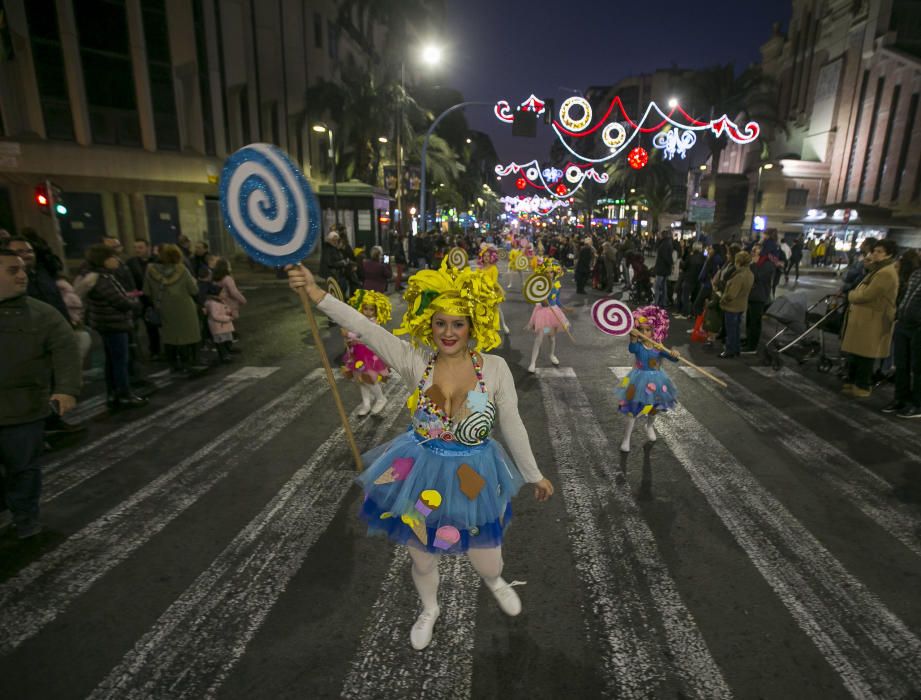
<point x="311" y="319"/>
<point x="681" y="359"/>
<point x="559" y="315"/>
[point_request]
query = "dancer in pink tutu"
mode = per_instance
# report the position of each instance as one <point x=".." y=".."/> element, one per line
<point x="547" y="317"/>
<point x="360" y="363"/>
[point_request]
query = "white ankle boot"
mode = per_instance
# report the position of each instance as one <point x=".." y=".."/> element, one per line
<point x="506" y="596"/>
<point x="421" y="634"/>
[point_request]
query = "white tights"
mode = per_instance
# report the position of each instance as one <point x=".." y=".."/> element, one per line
<point x="538" y="341"/>
<point x="631" y="422"/>
<point x="487" y="562"/>
<point x="370" y="392"/>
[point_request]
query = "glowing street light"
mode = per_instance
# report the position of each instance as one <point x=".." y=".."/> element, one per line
<point x="672" y="103"/>
<point x="382" y="139"/>
<point x="431" y="54"/>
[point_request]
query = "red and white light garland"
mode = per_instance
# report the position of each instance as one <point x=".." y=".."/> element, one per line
<point x="531" y="174"/>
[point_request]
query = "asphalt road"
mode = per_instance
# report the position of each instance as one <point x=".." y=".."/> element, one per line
<point x="768" y="545"/>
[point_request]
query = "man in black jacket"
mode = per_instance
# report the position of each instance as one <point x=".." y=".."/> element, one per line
<point x="907" y="350"/>
<point x="758" y="299"/>
<point x="584" y="264"/>
<point x="663" y="268"/>
<point x="40" y="370"/>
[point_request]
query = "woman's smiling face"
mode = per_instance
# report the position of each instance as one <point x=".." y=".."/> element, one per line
<point x="450" y="333"/>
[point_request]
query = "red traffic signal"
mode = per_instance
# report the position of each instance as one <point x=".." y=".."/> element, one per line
<point x="42" y="199"/>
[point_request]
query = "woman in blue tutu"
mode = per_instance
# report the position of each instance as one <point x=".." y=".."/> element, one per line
<point x="445" y="485"/>
<point x="647" y="390"/>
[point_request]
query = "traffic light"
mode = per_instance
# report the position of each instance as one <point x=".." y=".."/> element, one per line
<point x="42" y="199"/>
<point x="57" y="196"/>
<point x="549" y="106"/>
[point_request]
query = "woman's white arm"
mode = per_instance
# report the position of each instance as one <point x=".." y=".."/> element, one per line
<point x="513" y="430"/>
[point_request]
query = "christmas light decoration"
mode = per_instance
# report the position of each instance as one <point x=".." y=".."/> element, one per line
<point x="638" y="158"/>
<point x="566" y="117"/>
<point x="503" y="109"/>
<point x="575" y="175"/>
<point x="561" y="190"/>
<point x="531" y="205"/>
<point x="613" y="141"/>
<point x="674" y="141"/>
<point x="552" y="175"/>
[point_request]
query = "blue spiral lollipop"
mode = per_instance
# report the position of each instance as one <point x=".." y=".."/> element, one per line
<point x="268" y="205"/>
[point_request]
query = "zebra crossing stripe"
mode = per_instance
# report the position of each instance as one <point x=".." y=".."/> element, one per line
<point x="868" y="491"/>
<point x="44" y="589"/>
<point x="872" y="650"/>
<point x="619" y="562"/>
<point x="67" y="472"/>
<point x="95" y="406"/>
<point x="385" y="664"/>
<point x="190" y="651"/>
<point x="847" y="411"/>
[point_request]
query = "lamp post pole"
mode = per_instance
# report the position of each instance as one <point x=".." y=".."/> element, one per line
<point x="757" y="192"/>
<point x="332" y="155"/>
<point x="425" y="147"/>
<point x="399" y="148"/>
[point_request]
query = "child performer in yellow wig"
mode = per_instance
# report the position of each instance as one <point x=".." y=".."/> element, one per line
<point x="488" y="258"/>
<point x="547" y="317"/>
<point x="360" y="362"/>
<point x="445" y="485"/>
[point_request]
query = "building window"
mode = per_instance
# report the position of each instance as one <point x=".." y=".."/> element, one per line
<point x="332" y="30"/>
<point x="204" y="78"/>
<point x="887" y="139"/>
<point x="317" y="30"/>
<point x="906" y="144"/>
<point x="855" y="139"/>
<point x="160" y="73"/>
<point x="48" y="57"/>
<point x="244" y="115"/>
<point x="797" y="197"/>
<point x="871" y="138"/>
<point x="102" y="27"/>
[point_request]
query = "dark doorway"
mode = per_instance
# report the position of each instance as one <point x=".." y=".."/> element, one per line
<point x="84" y="224"/>
<point x="162" y="219"/>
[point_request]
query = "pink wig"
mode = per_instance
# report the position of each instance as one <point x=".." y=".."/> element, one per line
<point x="656" y="317"/>
<point x="488" y="255"/>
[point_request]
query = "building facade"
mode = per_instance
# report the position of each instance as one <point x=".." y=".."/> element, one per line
<point x="131" y="106"/>
<point x="849" y="80"/>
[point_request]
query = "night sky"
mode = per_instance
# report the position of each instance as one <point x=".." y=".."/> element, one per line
<point x="499" y="49"/>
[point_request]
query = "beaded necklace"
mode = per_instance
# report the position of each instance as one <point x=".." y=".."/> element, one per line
<point x="428" y="406"/>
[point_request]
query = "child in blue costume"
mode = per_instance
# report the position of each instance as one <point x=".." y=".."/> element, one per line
<point x="647" y="390"/>
<point x="445" y="485"/>
<point x="547" y="318"/>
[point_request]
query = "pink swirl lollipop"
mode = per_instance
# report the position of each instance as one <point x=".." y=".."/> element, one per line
<point x="612" y="317"/>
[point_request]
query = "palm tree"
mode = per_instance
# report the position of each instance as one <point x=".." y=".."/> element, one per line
<point x="749" y="96"/>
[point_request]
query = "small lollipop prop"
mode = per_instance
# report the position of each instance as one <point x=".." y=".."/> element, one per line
<point x="536" y="288"/>
<point x="503" y="254"/>
<point x="457" y="257"/>
<point x="269" y="208"/>
<point x="615" y="318"/>
<point x="332" y="287"/>
<point x="521" y="264"/>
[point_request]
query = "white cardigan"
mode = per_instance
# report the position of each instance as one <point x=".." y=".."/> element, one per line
<point x="411" y="362"/>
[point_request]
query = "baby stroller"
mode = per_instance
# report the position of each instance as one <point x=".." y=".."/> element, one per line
<point x="804" y="329"/>
<point x="641" y="287"/>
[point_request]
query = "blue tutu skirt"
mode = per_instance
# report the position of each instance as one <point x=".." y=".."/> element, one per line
<point x="475" y="485"/>
<point x="644" y="388"/>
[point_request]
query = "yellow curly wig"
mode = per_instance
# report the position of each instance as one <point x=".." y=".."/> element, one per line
<point x="475" y="294"/>
<point x="550" y="267"/>
<point x="380" y="302"/>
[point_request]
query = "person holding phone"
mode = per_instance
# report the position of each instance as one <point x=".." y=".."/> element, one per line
<point x="377" y="272"/>
<point x="40" y="372"/>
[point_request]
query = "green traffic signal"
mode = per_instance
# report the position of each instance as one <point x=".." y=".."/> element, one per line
<point x="60" y="209"/>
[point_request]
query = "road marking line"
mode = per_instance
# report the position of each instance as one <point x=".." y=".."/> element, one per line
<point x="385" y="664"/>
<point x="44" y="589"/>
<point x="619" y="562"/>
<point x="865" y="489"/>
<point x="190" y="651"/>
<point x="844" y="409"/>
<point x="872" y="650"/>
<point x="90" y="460"/>
<point x="95" y="406"/>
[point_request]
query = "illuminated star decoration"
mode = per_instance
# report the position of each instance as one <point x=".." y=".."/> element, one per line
<point x="531" y="174"/>
<point x="619" y="130"/>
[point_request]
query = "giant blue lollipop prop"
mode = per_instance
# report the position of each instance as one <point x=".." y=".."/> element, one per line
<point x="270" y="209"/>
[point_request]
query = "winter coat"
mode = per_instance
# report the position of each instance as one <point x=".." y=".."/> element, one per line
<point x="664" y="261"/>
<point x="43" y="287"/>
<point x="72" y="300"/>
<point x="376" y="275"/>
<point x="870" y="315"/>
<point x="231" y="295"/>
<point x="220" y="317"/>
<point x="172" y="292"/>
<point x="40" y="357"/>
<point x="109" y="308"/>
<point x="734" y="298"/>
<point x="584" y="262"/>
<point x="909" y="311"/>
<point x="763" y="285"/>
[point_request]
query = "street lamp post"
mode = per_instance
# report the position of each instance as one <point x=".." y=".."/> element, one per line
<point x="756" y="193"/>
<point x="425" y="148"/>
<point x="321" y="128"/>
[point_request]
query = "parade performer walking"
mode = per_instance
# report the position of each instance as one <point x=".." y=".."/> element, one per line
<point x="647" y="390"/>
<point x="445" y="486"/>
<point x="548" y="317"/>
<point x="360" y="363"/>
<point x="488" y="258"/>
